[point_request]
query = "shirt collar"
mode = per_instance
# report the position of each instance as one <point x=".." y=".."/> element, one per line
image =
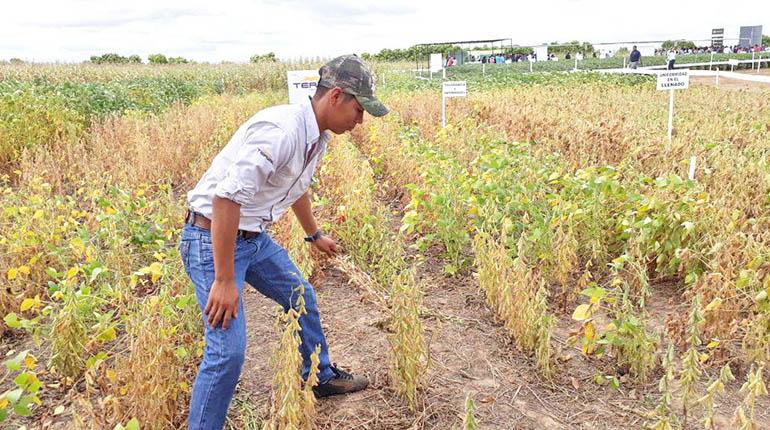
<point x="311" y="126"/>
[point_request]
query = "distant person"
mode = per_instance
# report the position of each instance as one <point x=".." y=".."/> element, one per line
<point x="567" y="57"/>
<point x="671" y="57"/>
<point x="634" y="58"/>
<point x="726" y="50"/>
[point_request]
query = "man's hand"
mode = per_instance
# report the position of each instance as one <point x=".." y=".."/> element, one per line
<point x="222" y="304"/>
<point x="326" y="244"/>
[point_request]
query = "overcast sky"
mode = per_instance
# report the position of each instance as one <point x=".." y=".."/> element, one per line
<point x="233" y="30"/>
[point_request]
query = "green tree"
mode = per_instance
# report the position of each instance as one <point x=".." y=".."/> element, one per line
<point x="572" y="47"/>
<point x="765" y="40"/>
<point x="135" y="59"/>
<point x="178" y="60"/>
<point x="679" y="44"/>
<point x="157" y="59"/>
<point x="110" y="58"/>
<point x="269" y="57"/>
<point x="16" y="61"/>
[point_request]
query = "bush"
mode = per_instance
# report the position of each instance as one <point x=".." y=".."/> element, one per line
<point x="257" y="58"/>
<point x="157" y="59"/>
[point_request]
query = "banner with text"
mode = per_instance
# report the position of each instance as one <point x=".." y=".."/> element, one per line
<point x="302" y="84"/>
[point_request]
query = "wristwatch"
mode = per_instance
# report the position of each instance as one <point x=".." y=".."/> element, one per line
<point x="314" y="237"/>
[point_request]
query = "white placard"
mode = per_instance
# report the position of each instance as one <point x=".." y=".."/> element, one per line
<point x="674" y="80"/>
<point x="436" y="62"/>
<point x="541" y="52"/>
<point x="302" y="84"/>
<point x="454" y="89"/>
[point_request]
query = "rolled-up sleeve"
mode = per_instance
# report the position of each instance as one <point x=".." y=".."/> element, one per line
<point x="263" y="149"/>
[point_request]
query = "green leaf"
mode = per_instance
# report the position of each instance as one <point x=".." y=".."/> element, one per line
<point x="22" y="409"/>
<point x="13" y="396"/>
<point x="133" y="424"/>
<point x="12" y="320"/>
<point x="14" y="364"/>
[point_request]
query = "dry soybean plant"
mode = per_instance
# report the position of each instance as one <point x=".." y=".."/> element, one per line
<point x="293" y="404"/>
<point x="409" y="355"/>
<point x="517" y="294"/>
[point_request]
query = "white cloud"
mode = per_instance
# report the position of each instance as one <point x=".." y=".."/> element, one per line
<point x="233" y="30"/>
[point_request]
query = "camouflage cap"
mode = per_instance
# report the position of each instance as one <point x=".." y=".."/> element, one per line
<point x="350" y="74"/>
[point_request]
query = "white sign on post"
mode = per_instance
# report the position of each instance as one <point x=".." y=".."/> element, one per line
<point x="451" y="89"/>
<point x="302" y="84"/>
<point x="436" y="64"/>
<point x="672" y="80"/>
<point x="454" y="89"/>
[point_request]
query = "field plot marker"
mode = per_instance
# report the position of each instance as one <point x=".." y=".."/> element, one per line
<point x="692" y="168"/>
<point x="672" y="80"/>
<point x="451" y="89"/>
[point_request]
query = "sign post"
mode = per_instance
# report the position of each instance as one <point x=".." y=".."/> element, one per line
<point x="672" y="80"/>
<point x="302" y="84"/>
<point x="692" y="168"/>
<point x="451" y="89"/>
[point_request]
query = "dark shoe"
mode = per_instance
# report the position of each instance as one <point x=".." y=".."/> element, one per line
<point x="341" y="383"/>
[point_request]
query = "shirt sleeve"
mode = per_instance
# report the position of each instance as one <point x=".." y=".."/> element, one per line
<point x="264" y="148"/>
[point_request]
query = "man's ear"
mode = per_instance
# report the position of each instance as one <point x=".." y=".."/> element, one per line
<point x="335" y="95"/>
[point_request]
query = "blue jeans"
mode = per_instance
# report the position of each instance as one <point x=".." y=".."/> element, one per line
<point x="267" y="267"/>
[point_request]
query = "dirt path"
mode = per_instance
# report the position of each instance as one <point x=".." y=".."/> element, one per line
<point x="735" y="84"/>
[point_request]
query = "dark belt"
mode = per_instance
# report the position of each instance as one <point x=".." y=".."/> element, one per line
<point x="198" y="220"/>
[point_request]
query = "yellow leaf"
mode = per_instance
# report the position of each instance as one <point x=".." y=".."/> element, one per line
<point x="12" y="273"/>
<point x="38" y="214"/>
<point x="590" y="332"/>
<point x="713" y="344"/>
<point x="72" y="272"/>
<point x="3" y="402"/>
<point x="30" y="361"/>
<point x="581" y="313"/>
<point x="714" y="305"/>
<point x="110" y="211"/>
<point x="112" y="376"/>
<point x="704" y="357"/>
<point x="27" y="304"/>
<point x="24" y="269"/>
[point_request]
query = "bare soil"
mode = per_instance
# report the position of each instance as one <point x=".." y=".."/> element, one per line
<point x="735" y="84"/>
<point x="470" y="352"/>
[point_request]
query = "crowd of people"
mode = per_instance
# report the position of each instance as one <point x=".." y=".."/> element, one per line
<point x="716" y="49"/>
<point x="635" y="57"/>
